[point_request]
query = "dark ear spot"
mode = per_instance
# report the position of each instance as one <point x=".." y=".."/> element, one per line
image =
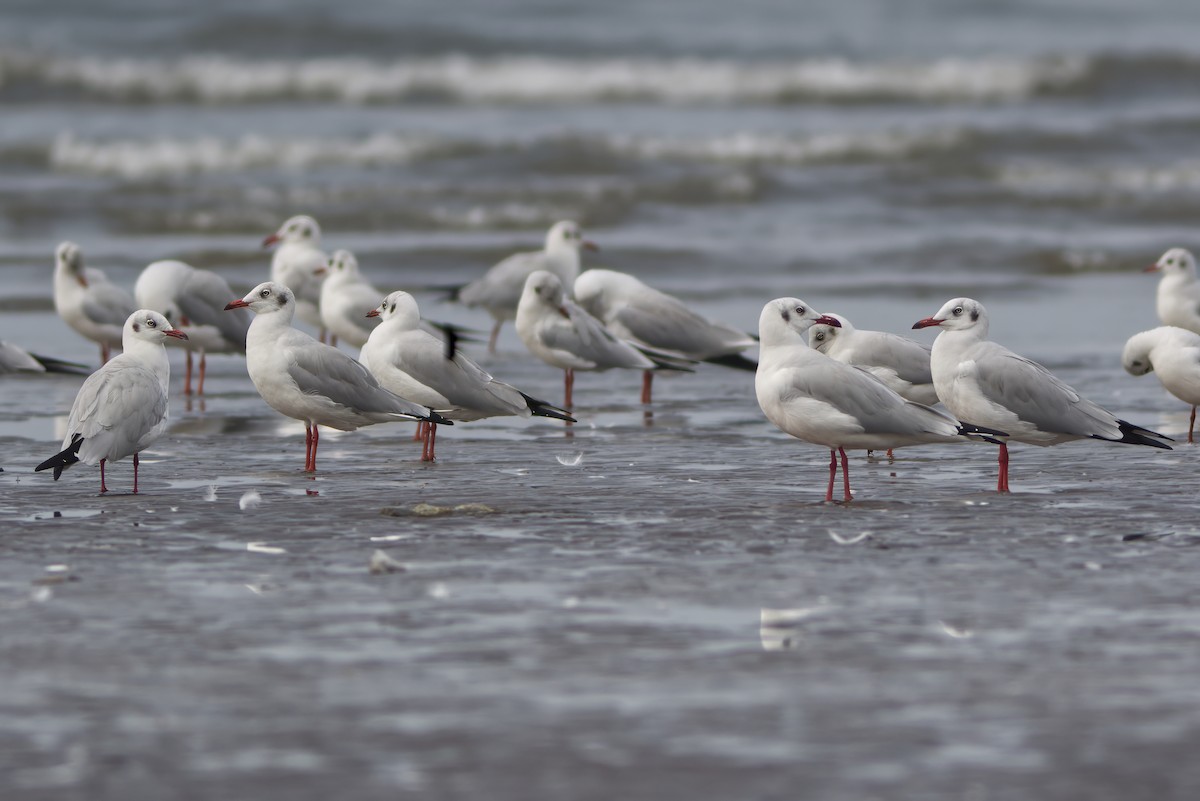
<point x="786" y="315"/>
<point x="137" y="327"/>
<point x="281" y="298"/>
<point x="974" y="315"/>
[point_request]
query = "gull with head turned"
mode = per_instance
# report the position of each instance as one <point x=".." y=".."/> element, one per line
<point x="985" y="382"/>
<point x="1172" y="354"/>
<point x="299" y="264"/>
<point x="88" y="302"/>
<point x="345" y="299"/>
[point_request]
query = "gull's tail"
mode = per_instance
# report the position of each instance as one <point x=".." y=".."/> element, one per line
<point x="542" y="409"/>
<point x="734" y="360"/>
<point x="979" y="432"/>
<point x="1136" y="435"/>
<point x="63" y="459"/>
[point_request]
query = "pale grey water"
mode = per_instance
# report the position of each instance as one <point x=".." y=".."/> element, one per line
<point x="605" y="631"/>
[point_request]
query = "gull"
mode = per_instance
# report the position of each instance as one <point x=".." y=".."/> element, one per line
<point x="563" y="335"/>
<point x="195" y="299"/>
<point x="819" y="400"/>
<point x="1178" y="299"/>
<point x="643" y="315"/>
<point x="87" y="301"/>
<point x="499" y="289"/>
<point x="897" y="361"/>
<point x="346" y="297"/>
<point x="415" y="365"/>
<point x="121" y="409"/>
<point x="989" y="384"/>
<point x="15" y="359"/>
<point x="1173" y="354"/>
<point x="299" y="264"/>
<point x="308" y="380"/>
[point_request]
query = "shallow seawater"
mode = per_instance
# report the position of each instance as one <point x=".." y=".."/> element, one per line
<point x="654" y="603"/>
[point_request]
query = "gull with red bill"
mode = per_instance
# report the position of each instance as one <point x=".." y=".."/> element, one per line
<point x="310" y="381"/>
<point x="121" y="409"/>
<point x="823" y="401"/>
<point x="983" y="381"/>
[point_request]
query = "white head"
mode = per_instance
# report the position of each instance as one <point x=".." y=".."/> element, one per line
<point x="786" y="321"/>
<point x="300" y="228"/>
<point x="543" y="288"/>
<point x="267" y="298"/>
<point x="69" y="257"/>
<point x="147" y="326"/>
<point x="960" y="314"/>
<point x="343" y="263"/>
<point x="1136" y="357"/>
<point x="822" y="336"/>
<point x="1176" y="261"/>
<point x="400" y="309"/>
<point x="567" y="234"/>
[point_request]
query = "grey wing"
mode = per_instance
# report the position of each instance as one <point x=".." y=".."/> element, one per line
<point x="665" y="322"/>
<point x="116" y="408"/>
<point x="460" y="380"/>
<point x="879" y="410"/>
<point x="107" y="304"/>
<point x="203" y="301"/>
<point x="328" y="372"/>
<point x="909" y="359"/>
<point x="588" y="338"/>
<point x="1039" y="397"/>
<point x="503" y="284"/>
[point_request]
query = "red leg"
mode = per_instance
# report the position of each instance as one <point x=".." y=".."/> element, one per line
<point x="103" y="488"/>
<point x="430" y="442"/>
<point x="569" y="383"/>
<point x="187" y="374"/>
<point x="419" y="436"/>
<point x="104" y="353"/>
<point x="832" y="475"/>
<point x="321" y="334"/>
<point x="135" y="467"/>
<point x="647" y="383"/>
<point x="891" y="456"/>
<point x="333" y="339"/>
<point x="203" y="365"/>
<point x="845" y="474"/>
<point x="307" y="447"/>
<point x="1002" y="482"/>
<point x="495" y="336"/>
<point x="316" y="438"/>
<point x="1192" y="425"/>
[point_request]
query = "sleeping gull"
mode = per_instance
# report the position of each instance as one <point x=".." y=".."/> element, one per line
<point x="819" y="400"/>
<point x="499" y="289"/>
<point x="563" y="335"/>
<point x="121" y="409"/>
<point x="194" y="299"/>
<point x="1178" y="298"/>
<point x="308" y="380"/>
<point x="346" y="297"/>
<point x="415" y="365"/>
<point x="299" y="264"/>
<point x="643" y="315"/>
<point x="87" y="301"/>
<point x="1173" y="354"/>
<point x="989" y="384"/>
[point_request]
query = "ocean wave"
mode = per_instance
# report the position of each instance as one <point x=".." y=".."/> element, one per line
<point x="218" y="79"/>
<point x="148" y="159"/>
<point x="1061" y="180"/>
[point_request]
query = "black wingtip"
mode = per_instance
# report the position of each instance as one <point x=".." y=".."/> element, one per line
<point x="434" y="417"/>
<point x="541" y="408"/>
<point x="982" y="433"/>
<point x="1136" y="435"/>
<point x="63" y="459"/>
<point x="53" y="365"/>
<point x="734" y="360"/>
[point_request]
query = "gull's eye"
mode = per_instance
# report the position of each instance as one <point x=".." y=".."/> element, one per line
<point x="291" y="229"/>
<point x="958" y="310"/>
<point x="800" y="310"/>
<point x="1170" y="262"/>
<point x="819" y="336"/>
<point x="266" y="293"/>
<point x="150" y="322"/>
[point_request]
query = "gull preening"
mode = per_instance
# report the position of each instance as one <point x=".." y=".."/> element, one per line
<point x="1172" y="354"/>
<point x="986" y="383"/>
<point x="415" y="365"/>
<point x="88" y="302"/>
<point x="194" y="299"/>
<point x="641" y="314"/>
<point x="897" y="361"/>
<point x="310" y="381"/>
<point x="1178" y="298"/>
<point x="825" y="402"/>
<point x="299" y="264"/>
<point x="346" y="297"/>
<point x="499" y="290"/>
<point x="562" y="334"/>
<point x="121" y="409"/>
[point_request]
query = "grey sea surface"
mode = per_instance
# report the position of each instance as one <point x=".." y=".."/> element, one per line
<point x="654" y="603"/>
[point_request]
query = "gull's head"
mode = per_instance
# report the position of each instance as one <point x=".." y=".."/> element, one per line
<point x="300" y="228"/>
<point x="960" y="314"/>
<point x="150" y="326"/>
<point x="400" y="307"/>
<point x="821" y="336"/>
<point x="69" y="257"/>
<point x="342" y="262"/>
<point x="266" y="298"/>
<point x="786" y="321"/>
<point x="1136" y="358"/>
<point x="1176" y="261"/>
<point x="567" y="234"/>
<point x="544" y="288"/>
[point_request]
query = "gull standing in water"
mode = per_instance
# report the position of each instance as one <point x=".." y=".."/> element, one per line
<point x="195" y="299"/>
<point x="88" y="302"/>
<point x="819" y="400"/>
<point x="499" y="289"/>
<point x="121" y="409"/>
<point x="416" y="365"/>
<point x="645" y="316"/>
<point x="987" y="383"/>
<point x="308" y="380"/>
<point x="1173" y="354"/>
<point x="345" y="298"/>
<point x="299" y="264"/>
